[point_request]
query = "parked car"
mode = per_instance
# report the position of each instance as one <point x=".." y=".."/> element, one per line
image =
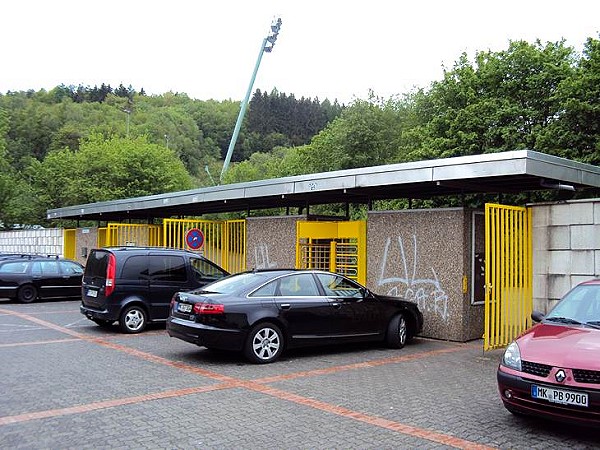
<point x="28" y="277"/>
<point x="553" y="369"/>
<point x="262" y="313"/>
<point x="134" y="285"/>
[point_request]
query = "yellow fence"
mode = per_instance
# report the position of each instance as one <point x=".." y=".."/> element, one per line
<point x="508" y="274"/>
<point x="335" y="246"/>
<point x="128" y="234"/>
<point x="223" y="242"/>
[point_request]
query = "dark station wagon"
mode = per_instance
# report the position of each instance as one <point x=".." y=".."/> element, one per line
<point x="28" y="277"/>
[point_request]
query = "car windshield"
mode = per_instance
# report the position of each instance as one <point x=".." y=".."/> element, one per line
<point x="234" y="283"/>
<point x="580" y="306"/>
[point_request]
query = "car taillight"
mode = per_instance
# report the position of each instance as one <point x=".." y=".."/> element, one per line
<point x="111" y="269"/>
<point x="209" y="308"/>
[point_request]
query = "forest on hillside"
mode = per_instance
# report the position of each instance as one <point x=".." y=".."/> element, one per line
<point x="81" y="144"/>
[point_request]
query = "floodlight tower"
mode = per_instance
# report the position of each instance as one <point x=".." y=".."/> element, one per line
<point x="267" y="46"/>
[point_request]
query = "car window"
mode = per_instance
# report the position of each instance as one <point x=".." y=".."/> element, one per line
<point x="233" y="283"/>
<point x="96" y="264"/>
<point x="167" y="268"/>
<point x="70" y="268"/>
<point x="14" y="267"/>
<point x="581" y="304"/>
<point x="135" y="268"/>
<point x="298" y="285"/>
<point x="268" y="290"/>
<point x="337" y="286"/>
<point x="205" y="270"/>
<point x="49" y="268"/>
<point x="36" y="269"/>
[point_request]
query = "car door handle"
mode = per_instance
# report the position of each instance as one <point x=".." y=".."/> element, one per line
<point x="285" y="306"/>
<point x="336" y="305"/>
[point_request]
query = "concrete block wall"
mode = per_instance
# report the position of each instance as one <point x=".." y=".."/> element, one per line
<point x="566" y="248"/>
<point x="45" y="241"/>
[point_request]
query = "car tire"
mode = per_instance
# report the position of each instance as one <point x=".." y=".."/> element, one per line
<point x="264" y="344"/>
<point x="133" y="320"/>
<point x="27" y="293"/>
<point x="397" y="332"/>
<point x="103" y="323"/>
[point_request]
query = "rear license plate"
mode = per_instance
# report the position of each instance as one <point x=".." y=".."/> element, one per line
<point x="92" y="293"/>
<point x="559" y="396"/>
<point x="184" y="307"/>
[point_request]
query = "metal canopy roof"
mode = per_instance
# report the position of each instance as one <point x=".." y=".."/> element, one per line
<point x="507" y="172"/>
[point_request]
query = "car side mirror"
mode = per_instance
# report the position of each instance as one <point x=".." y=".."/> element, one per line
<point x="537" y="316"/>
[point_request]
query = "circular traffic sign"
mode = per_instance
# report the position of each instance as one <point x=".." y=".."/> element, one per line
<point x="194" y="239"/>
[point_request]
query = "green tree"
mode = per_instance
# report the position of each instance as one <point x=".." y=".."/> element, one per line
<point x="105" y="169"/>
<point x="6" y="175"/>
<point x="367" y="133"/>
<point x="574" y="131"/>
<point x="502" y="101"/>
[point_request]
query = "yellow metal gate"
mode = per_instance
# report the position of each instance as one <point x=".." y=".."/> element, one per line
<point x="508" y="274"/>
<point x="132" y="234"/>
<point x="335" y="246"/>
<point x="69" y="239"/>
<point x="223" y="242"/>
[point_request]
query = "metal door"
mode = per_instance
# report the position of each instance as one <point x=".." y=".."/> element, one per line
<point x="508" y="274"/>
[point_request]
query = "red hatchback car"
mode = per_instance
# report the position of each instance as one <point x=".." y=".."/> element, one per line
<point x="553" y="369"/>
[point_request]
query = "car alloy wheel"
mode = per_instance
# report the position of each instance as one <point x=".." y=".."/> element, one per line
<point x="27" y="293"/>
<point x="264" y="344"/>
<point x="133" y="320"/>
<point x="397" y="332"/>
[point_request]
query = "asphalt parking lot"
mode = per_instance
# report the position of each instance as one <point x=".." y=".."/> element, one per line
<point x="68" y="384"/>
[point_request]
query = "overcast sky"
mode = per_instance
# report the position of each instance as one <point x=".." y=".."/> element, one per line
<point x="326" y="48"/>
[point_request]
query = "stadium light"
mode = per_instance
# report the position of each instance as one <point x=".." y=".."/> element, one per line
<point x="267" y="46"/>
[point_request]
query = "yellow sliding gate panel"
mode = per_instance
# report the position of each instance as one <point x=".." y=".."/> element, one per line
<point x="128" y="234"/>
<point x="334" y="246"/>
<point x="69" y="242"/>
<point x="235" y="248"/>
<point x="101" y="240"/>
<point x="223" y="242"/>
<point x="508" y="274"/>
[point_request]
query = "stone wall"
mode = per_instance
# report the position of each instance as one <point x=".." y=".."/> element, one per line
<point x="566" y="248"/>
<point x="86" y="239"/>
<point x="271" y="242"/>
<point x="425" y="256"/>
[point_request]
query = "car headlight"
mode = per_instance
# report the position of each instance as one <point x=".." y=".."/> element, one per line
<point x="512" y="357"/>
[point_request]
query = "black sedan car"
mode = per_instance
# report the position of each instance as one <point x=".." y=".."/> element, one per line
<point x="262" y="313"/>
<point x="29" y="277"/>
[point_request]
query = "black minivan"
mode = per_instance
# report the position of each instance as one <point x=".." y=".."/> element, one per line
<point x="134" y="285"/>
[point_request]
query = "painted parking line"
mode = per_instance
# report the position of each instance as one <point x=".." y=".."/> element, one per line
<point x="53" y="341"/>
<point x="361" y="365"/>
<point x="259" y="385"/>
<point x="80" y="409"/>
<point x="366" y="418"/>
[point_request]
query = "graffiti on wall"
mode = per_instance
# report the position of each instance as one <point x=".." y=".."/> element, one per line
<point x="427" y="293"/>
<point x="261" y="257"/>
